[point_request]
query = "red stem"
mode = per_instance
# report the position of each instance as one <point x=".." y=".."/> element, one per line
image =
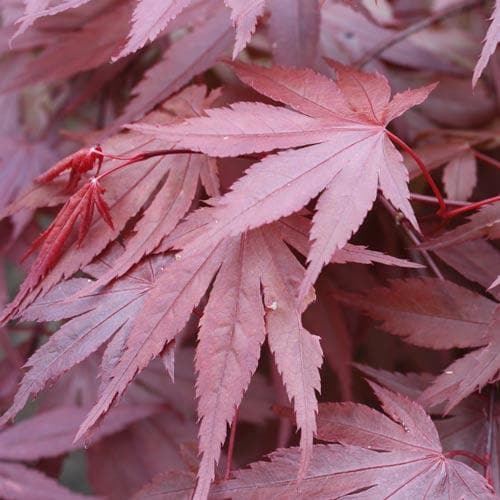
<point x="139" y="157"/>
<point x="470" y="207"/>
<point x="147" y="154"/>
<point x="151" y="154"/>
<point x="487" y="159"/>
<point x="230" y="451"/>
<point x="421" y="165"/>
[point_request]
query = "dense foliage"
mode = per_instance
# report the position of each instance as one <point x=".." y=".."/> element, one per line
<point x="240" y="226"/>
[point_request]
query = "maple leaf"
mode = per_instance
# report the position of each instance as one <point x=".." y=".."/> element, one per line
<point x="78" y="163"/>
<point x="469" y="426"/>
<point x="35" y="9"/>
<point x="150" y="18"/>
<point x="169" y="306"/>
<point x="485" y="223"/>
<point x="460" y="257"/>
<point x="440" y="315"/>
<point x="469" y="373"/>
<point x="345" y="120"/>
<point x="95" y="320"/>
<point x="100" y="43"/>
<point x="244" y="14"/>
<point x="50" y="434"/>
<point x="490" y="43"/>
<point x="355" y="29"/>
<point x="230" y="338"/>
<point x="379" y="456"/>
<point x="295" y="231"/>
<point x="194" y="53"/>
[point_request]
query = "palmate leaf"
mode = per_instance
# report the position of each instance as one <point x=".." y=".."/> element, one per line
<point x="225" y="340"/>
<point x="350" y="157"/>
<point x="472" y="425"/>
<point x="408" y="462"/>
<point x="254" y="277"/>
<point x="96" y="319"/>
<point x="50" y="434"/>
<point x="440" y="315"/>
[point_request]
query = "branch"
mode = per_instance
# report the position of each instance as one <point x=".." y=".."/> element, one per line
<point x="451" y="10"/>
<point x="408" y="229"/>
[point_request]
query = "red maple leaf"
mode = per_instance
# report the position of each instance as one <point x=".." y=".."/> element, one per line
<point x="50" y="434"/>
<point x="471" y="427"/>
<point x="379" y="456"/>
<point x="96" y="319"/>
<point x="351" y="156"/>
<point x="440" y="315"/>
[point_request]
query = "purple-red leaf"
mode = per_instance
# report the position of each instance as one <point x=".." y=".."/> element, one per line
<point x="398" y="455"/>
<point x="353" y="158"/>
<point x="490" y="43"/>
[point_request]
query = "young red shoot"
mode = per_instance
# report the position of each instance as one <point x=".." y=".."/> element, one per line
<point x="78" y="163"/>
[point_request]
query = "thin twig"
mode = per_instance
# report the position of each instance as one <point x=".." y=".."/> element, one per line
<point x="486" y="159"/>
<point x="431" y="199"/>
<point x="410" y="233"/>
<point x="399" y="36"/>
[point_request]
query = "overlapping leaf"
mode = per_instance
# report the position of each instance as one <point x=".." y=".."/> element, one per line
<point x="230" y="336"/>
<point x="165" y="185"/>
<point x="111" y="27"/>
<point x="472" y="425"/>
<point x="50" y="434"/>
<point x="169" y="306"/>
<point x="379" y="457"/>
<point x="441" y="315"/>
<point x="483" y="224"/>
<point x="96" y="319"/>
<point x="490" y="43"/>
<point x="150" y="18"/>
<point x="350" y="157"/>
